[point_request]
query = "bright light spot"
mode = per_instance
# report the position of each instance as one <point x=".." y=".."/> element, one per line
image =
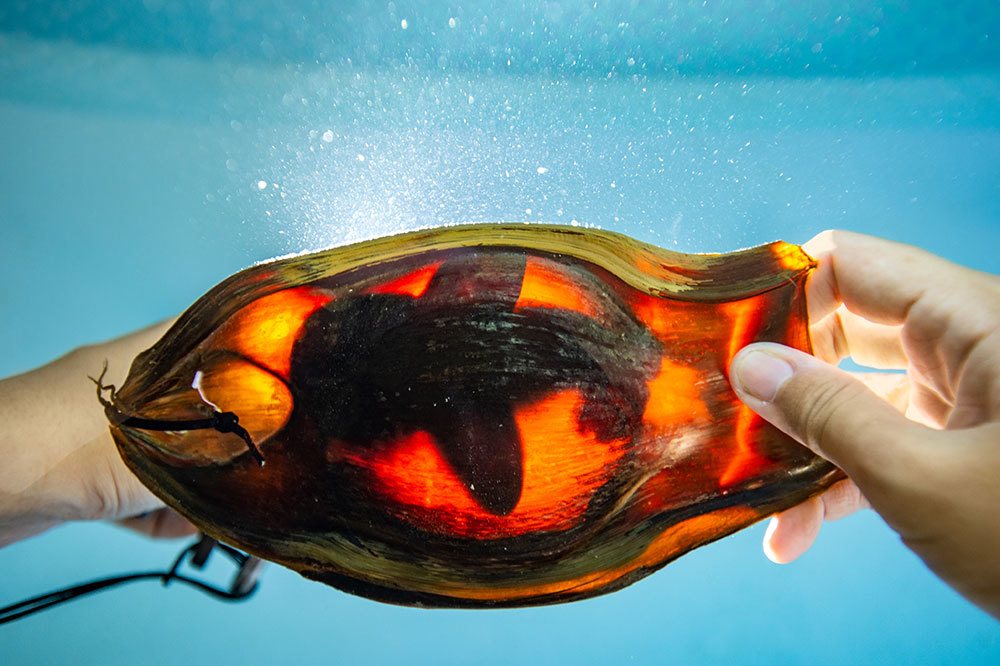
<point x="361" y="158"/>
<point x="196" y="385"/>
<point x="452" y="22"/>
<point x="328" y="136"/>
<point x="403" y="24"/>
<point x="471" y="99"/>
<point x="261" y="184"/>
<point x="542" y="170"/>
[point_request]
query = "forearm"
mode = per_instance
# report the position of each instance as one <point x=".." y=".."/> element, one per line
<point x="58" y="454"/>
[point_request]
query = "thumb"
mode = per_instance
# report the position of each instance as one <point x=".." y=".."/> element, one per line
<point x="825" y="409"/>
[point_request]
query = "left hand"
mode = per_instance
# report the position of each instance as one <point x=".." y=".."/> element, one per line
<point x="60" y="461"/>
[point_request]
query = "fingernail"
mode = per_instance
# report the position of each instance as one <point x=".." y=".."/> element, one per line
<point x="760" y="374"/>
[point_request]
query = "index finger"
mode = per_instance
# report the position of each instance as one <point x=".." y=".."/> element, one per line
<point x="875" y="278"/>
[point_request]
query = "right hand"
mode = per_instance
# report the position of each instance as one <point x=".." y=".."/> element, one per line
<point x="933" y="474"/>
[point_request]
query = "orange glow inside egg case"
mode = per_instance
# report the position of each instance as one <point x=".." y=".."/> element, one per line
<point x="563" y="462"/>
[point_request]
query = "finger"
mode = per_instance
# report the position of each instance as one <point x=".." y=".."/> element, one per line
<point x="841" y="500"/>
<point x="843" y="334"/>
<point x="893" y="387"/>
<point x="977" y="399"/>
<point x="161" y="524"/>
<point x="950" y="314"/>
<point x="826" y="409"/>
<point x="791" y="533"/>
<point x="879" y="280"/>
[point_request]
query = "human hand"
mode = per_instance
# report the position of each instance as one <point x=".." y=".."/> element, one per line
<point x="60" y="462"/>
<point x="933" y="474"/>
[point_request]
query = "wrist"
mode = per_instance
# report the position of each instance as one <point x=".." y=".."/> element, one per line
<point x="60" y="462"/>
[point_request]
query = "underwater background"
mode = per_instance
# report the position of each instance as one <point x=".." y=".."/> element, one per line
<point x="149" y="149"/>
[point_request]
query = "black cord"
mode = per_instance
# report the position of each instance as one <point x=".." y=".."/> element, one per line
<point x="244" y="583"/>
<point x="224" y="422"/>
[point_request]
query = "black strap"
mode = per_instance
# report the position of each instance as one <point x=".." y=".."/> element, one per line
<point x="243" y="585"/>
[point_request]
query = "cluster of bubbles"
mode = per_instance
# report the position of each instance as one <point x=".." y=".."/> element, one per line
<point x="354" y="154"/>
<point x="421" y="118"/>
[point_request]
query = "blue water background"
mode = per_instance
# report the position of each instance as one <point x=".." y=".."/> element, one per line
<point x="148" y="150"/>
